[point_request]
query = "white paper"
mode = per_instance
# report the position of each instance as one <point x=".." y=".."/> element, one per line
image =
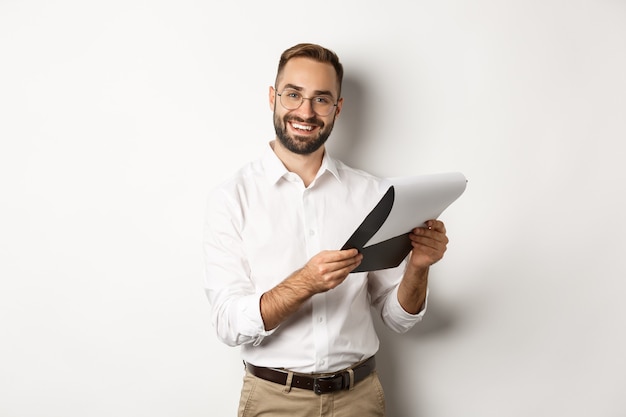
<point x="418" y="199"/>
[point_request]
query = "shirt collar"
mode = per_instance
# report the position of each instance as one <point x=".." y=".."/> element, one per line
<point x="329" y="164"/>
<point x="275" y="170"/>
<point x="273" y="167"/>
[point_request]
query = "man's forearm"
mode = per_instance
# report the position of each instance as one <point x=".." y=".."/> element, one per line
<point x="412" y="289"/>
<point x="323" y="272"/>
<point x="283" y="300"/>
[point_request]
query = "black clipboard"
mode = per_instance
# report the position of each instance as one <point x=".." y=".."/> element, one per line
<point x="429" y="195"/>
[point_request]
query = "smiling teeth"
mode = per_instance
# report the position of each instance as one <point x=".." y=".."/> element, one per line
<point x="301" y="127"/>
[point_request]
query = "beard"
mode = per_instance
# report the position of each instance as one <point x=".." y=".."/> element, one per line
<point x="301" y="145"/>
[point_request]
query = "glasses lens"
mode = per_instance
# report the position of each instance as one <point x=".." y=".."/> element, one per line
<point x="322" y="105"/>
<point x="292" y="99"/>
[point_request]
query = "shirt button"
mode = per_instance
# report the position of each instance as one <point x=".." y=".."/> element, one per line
<point x="322" y="362"/>
<point x="311" y="232"/>
<point x="320" y="319"/>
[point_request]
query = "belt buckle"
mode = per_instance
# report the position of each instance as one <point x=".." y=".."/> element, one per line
<point x="317" y="388"/>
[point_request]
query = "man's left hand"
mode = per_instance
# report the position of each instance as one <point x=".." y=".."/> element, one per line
<point x="429" y="244"/>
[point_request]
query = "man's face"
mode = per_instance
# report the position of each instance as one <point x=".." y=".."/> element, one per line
<point x="302" y="131"/>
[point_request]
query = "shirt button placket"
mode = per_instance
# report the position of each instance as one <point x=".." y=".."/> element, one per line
<point x="319" y="300"/>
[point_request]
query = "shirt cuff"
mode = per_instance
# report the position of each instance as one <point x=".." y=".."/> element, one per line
<point x="397" y="317"/>
<point x="250" y="323"/>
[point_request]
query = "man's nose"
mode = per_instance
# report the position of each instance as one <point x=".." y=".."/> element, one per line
<point x="307" y="107"/>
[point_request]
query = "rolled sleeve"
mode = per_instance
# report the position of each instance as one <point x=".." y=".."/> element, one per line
<point x="250" y="324"/>
<point x="383" y="288"/>
<point x="398" y="319"/>
<point x="233" y="298"/>
<point x="237" y="320"/>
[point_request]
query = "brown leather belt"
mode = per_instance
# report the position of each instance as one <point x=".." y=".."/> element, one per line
<point x="319" y="384"/>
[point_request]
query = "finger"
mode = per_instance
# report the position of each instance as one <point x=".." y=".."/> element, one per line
<point x="331" y="261"/>
<point x="349" y="253"/>
<point x="348" y="263"/>
<point x="428" y="238"/>
<point x="428" y="243"/>
<point x="423" y="233"/>
<point x="434" y="229"/>
<point x="339" y="271"/>
<point x="436" y="225"/>
<point x="339" y="255"/>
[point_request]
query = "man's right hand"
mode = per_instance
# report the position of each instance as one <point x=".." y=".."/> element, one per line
<point x="321" y="273"/>
<point x="328" y="269"/>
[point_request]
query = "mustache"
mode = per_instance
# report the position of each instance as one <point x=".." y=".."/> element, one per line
<point x="312" y="120"/>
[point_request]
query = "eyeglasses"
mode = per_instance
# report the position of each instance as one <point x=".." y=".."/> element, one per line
<point x="292" y="99"/>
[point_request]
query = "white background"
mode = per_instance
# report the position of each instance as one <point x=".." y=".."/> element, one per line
<point x="117" y="117"/>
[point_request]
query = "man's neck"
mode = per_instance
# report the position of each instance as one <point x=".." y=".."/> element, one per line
<point x="305" y="166"/>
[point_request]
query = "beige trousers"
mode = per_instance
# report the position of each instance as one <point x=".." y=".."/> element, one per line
<point x="260" y="398"/>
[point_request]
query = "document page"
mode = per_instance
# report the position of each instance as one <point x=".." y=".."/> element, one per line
<point x="409" y="202"/>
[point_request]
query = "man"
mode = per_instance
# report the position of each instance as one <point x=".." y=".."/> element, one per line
<point x="277" y="285"/>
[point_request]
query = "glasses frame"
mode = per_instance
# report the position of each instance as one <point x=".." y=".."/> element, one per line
<point x="280" y="95"/>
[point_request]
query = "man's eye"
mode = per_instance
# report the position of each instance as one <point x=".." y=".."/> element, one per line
<point x="293" y="95"/>
<point x="323" y="100"/>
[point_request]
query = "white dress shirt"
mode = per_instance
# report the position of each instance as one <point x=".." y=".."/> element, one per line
<point x="261" y="226"/>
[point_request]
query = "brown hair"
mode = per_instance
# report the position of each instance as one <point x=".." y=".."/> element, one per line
<point x="315" y="52"/>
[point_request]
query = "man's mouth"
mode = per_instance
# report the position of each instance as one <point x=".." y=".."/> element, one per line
<point x="299" y="126"/>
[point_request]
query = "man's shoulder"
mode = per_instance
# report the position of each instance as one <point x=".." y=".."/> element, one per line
<point x="349" y="172"/>
<point x="247" y="174"/>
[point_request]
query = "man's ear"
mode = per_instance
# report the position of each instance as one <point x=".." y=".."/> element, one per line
<point x="272" y="97"/>
<point x="339" y="106"/>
